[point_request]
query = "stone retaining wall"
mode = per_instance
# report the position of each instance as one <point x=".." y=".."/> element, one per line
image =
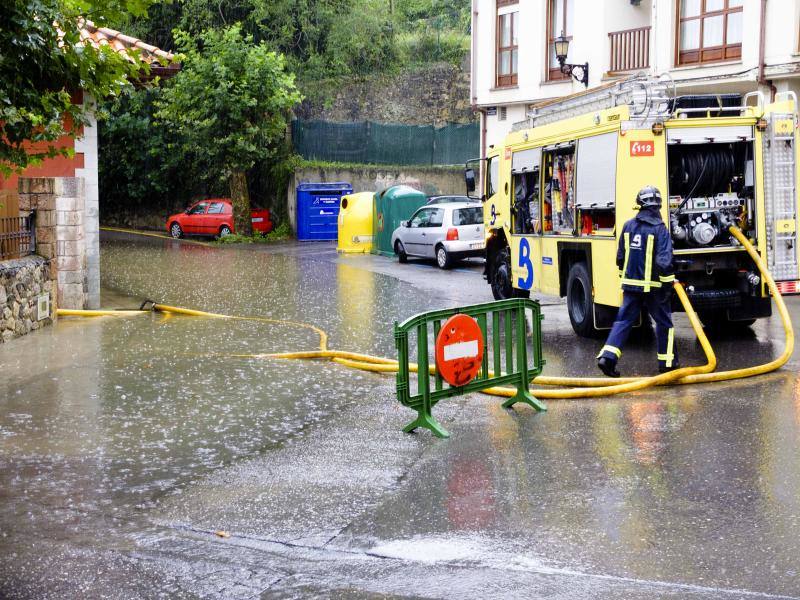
<point x="432" y="95"/>
<point x="22" y="282"/>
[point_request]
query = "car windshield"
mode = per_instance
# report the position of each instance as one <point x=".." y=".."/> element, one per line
<point x="468" y="216"/>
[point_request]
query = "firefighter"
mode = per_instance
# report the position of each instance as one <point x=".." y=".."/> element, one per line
<point x="644" y="257"/>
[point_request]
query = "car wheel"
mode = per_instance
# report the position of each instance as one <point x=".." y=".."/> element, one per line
<point x="400" y="251"/>
<point x="501" y="276"/>
<point x="224" y="231"/>
<point x="443" y="259"/>
<point x="580" y="304"/>
<point x="176" y="231"/>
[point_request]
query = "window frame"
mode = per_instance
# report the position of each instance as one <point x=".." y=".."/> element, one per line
<point x="204" y="203"/>
<point x="453" y="212"/>
<point x="423" y="211"/>
<point x="703" y="55"/>
<point x="492" y="162"/>
<point x="510" y="79"/>
<point x="555" y="73"/>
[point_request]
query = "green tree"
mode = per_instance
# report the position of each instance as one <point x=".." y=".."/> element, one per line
<point x="43" y="62"/>
<point x="231" y="104"/>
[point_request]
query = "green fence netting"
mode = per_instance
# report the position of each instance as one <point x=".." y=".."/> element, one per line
<point x="386" y="143"/>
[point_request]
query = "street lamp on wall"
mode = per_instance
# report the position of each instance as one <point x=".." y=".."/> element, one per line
<point x="561" y="44"/>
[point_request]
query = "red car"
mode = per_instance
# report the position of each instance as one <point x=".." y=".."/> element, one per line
<point x="214" y="217"/>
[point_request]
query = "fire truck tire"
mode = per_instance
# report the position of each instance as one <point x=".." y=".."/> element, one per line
<point x="501" y="276"/>
<point x="580" y="305"/>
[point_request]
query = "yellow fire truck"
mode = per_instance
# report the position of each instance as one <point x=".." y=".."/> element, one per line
<point x="559" y="189"/>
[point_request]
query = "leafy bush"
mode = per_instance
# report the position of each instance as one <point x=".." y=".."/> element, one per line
<point x="281" y="233"/>
<point x="428" y="45"/>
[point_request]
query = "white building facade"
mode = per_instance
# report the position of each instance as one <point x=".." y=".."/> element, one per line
<point x="706" y="46"/>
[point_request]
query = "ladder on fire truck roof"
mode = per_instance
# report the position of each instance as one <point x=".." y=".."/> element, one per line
<point x="649" y="98"/>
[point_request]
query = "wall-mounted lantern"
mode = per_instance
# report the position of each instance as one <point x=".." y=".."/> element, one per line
<point x="561" y="44"/>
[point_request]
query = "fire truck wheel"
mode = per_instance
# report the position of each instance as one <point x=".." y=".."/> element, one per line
<point x="579" y="300"/>
<point x="501" y="276"/>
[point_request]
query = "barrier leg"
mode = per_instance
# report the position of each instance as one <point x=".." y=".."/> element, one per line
<point x="525" y="397"/>
<point x="523" y="390"/>
<point x="428" y="422"/>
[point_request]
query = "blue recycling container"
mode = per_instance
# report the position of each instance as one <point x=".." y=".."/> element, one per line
<point x="318" y="209"/>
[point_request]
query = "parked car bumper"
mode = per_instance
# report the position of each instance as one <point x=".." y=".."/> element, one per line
<point x="464" y="248"/>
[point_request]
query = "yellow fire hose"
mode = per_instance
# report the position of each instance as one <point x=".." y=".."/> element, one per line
<point x="589" y="392"/>
<point x="156" y="235"/>
<point x="598" y="386"/>
<point x="579" y="387"/>
<point x="70" y="312"/>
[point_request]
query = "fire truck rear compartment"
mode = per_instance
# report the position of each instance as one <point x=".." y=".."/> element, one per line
<point x="711" y="188"/>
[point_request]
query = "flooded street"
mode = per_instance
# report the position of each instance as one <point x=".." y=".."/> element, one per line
<point x="148" y="456"/>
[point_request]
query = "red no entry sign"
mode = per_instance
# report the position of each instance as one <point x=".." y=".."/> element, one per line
<point x="459" y="350"/>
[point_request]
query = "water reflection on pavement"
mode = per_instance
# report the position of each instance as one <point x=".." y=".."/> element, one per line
<point x="125" y="443"/>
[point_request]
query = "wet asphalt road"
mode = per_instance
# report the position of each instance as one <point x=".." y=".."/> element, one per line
<point x="144" y="436"/>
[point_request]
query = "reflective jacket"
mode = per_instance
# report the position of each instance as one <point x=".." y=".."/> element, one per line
<point x="644" y="255"/>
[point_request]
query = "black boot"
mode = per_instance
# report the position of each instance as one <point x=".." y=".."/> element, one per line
<point x="608" y="366"/>
<point x="664" y="369"/>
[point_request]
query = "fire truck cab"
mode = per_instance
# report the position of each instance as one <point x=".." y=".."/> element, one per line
<point x="564" y="181"/>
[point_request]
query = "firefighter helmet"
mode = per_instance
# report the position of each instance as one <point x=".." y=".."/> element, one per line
<point x="649" y="196"/>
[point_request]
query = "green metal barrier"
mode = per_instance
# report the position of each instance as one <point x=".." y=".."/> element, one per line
<point x="506" y="350"/>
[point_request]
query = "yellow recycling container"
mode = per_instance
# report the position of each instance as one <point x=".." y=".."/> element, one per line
<point x="355" y="222"/>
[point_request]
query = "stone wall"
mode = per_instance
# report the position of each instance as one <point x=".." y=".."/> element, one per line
<point x="430" y="180"/>
<point x="431" y="96"/>
<point x="60" y="236"/>
<point x="22" y="282"/>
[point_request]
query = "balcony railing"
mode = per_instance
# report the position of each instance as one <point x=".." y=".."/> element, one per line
<point x="16" y="237"/>
<point x="630" y="50"/>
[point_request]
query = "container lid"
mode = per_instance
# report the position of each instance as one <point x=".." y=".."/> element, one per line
<point x="340" y="186"/>
<point x="401" y="191"/>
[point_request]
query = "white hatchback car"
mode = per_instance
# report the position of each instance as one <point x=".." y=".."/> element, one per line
<point x="446" y="232"/>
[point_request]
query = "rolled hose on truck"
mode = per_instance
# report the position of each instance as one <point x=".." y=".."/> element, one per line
<point x="578" y="387"/>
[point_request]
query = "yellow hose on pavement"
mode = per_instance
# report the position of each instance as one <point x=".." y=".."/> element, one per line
<point x="156" y="235"/>
<point x="579" y="387"/>
<point x="70" y="312"/>
<point x="606" y="390"/>
<point x="786" y="320"/>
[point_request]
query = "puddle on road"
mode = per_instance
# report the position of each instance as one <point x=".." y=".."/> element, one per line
<point x="127" y="409"/>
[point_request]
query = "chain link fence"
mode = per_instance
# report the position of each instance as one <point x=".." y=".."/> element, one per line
<point x="368" y="142"/>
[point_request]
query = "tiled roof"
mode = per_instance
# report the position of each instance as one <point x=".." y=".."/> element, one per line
<point x="104" y="36"/>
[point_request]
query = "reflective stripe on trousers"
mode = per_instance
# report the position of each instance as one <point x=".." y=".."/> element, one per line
<point x="669" y="356"/>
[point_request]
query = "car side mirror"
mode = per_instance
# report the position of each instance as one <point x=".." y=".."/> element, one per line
<point x="404" y="223"/>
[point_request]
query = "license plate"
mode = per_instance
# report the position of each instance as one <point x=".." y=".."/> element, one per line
<point x="477" y="246"/>
<point x="257" y="219"/>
